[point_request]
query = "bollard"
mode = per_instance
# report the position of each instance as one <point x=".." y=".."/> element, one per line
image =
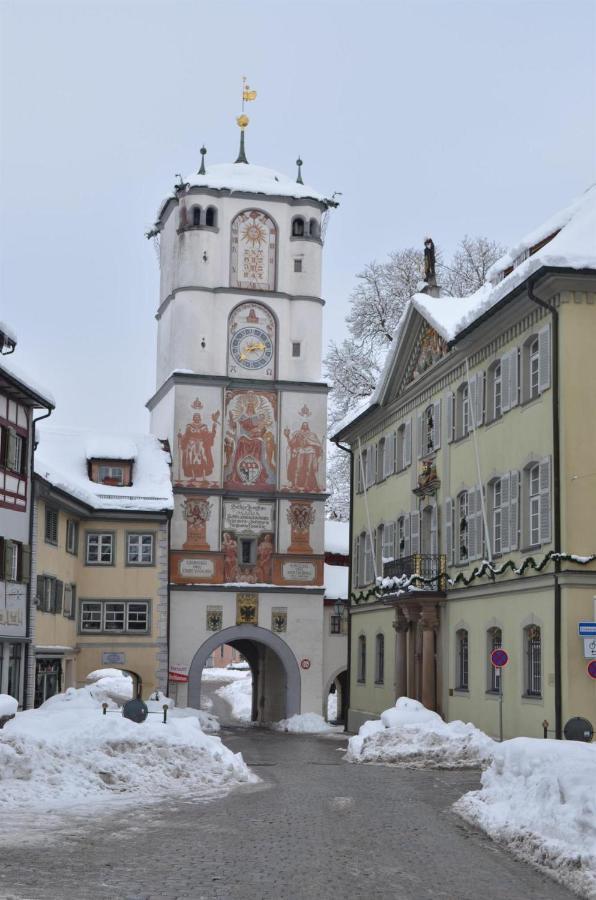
<point x="545" y="728"/>
<point x="104" y="706"/>
<point x="165" y="713"/>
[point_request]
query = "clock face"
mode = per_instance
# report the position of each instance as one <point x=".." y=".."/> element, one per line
<point x="251" y="347"/>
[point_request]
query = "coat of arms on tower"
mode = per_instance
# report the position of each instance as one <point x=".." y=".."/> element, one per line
<point x="197" y="512"/>
<point x="300" y="517"/>
<point x="247" y="608"/>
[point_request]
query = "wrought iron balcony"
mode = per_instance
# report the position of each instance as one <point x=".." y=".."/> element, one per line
<point x="422" y="564"/>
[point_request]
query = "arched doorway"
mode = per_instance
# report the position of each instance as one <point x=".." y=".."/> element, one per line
<point x="337" y="685"/>
<point x="276" y="674"/>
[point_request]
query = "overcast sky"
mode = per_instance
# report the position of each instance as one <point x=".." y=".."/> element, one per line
<point x="440" y="118"/>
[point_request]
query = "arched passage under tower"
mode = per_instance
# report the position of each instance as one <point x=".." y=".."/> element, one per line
<point x="275" y="671"/>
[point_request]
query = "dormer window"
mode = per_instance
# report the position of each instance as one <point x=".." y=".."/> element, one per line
<point x="116" y="472"/>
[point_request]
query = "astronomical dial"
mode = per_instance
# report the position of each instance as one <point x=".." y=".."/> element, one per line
<point x="251" y="347"/>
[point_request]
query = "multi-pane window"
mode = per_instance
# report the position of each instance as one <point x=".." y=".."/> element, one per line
<point x="462" y="683"/>
<point x="140" y="549"/>
<point x="100" y="549"/>
<point x="534" y="369"/>
<point x="498" y="516"/>
<point x="362" y="659"/>
<point x="401" y="537"/>
<point x="495" y="642"/>
<point x="465" y="410"/>
<point x="115" y="615"/>
<point x="462" y="522"/>
<point x="533" y="661"/>
<point x="72" y="536"/>
<point x="534" y="504"/>
<point x="14" y="669"/>
<point x="70" y="593"/>
<point x="11" y="561"/>
<point x="296" y="349"/>
<point x="15" y="451"/>
<point x="379" y="659"/>
<point x="497" y="386"/>
<point x="111" y="475"/>
<point x="429" y="429"/>
<point x="369" y="569"/>
<point x="335" y="624"/>
<point x="51" y="526"/>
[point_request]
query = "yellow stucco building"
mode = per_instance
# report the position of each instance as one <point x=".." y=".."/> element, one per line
<point x="100" y="558"/>
<point x="473" y="495"/>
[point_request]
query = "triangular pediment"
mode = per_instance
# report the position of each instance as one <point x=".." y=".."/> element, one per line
<point x="416" y="349"/>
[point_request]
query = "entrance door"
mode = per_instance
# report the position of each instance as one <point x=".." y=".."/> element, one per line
<point x="48" y="679"/>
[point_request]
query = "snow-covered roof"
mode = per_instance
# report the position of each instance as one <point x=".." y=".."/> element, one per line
<point x="337" y="536"/>
<point x="336" y="582"/>
<point x="572" y="246"/>
<point x="110" y="446"/>
<point x="8" y="332"/>
<point x="14" y="372"/>
<point x="62" y="459"/>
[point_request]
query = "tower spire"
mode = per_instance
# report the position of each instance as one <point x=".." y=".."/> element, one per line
<point x="202" y="170"/>
<point x="299" y="176"/>
<point x="243" y="120"/>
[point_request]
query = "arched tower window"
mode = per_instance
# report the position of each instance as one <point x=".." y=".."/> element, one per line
<point x="254" y="245"/>
<point x="196" y="216"/>
<point x="298" y="227"/>
<point x="211" y="217"/>
<point x="313" y="229"/>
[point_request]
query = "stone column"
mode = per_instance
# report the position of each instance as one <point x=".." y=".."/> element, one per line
<point x="401" y="658"/>
<point x="429" y="625"/>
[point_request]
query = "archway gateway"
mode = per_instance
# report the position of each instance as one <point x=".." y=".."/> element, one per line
<point x="275" y="671"/>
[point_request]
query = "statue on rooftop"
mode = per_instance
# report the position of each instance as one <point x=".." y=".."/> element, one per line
<point x="429" y="261"/>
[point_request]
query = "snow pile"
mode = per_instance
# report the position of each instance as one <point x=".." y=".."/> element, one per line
<point x="224" y="674"/>
<point x="239" y="695"/>
<point x="332" y="707"/>
<point x="411" y="735"/>
<point x="539" y="798"/>
<point x="306" y="723"/>
<point x="8" y="705"/>
<point x="62" y="459"/>
<point x="67" y="753"/>
<point x="110" y="685"/>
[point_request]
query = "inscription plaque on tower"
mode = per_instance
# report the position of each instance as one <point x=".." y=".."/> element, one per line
<point x="247" y="516"/>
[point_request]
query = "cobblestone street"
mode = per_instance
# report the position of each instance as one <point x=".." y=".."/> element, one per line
<point x="316" y="827"/>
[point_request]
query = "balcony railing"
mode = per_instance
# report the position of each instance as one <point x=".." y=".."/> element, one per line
<point x="422" y="564"/>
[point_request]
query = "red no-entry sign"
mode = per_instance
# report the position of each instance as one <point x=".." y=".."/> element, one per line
<point x="591" y="668"/>
<point x="500" y="658"/>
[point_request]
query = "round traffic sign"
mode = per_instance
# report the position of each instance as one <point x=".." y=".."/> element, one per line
<point x="592" y="668"/>
<point x="499" y="658"/>
<point x="305" y="663"/>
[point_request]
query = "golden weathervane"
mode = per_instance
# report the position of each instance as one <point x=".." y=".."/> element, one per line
<point x="247" y="95"/>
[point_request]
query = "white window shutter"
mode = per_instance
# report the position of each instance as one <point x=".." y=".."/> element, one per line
<point x="544" y="354"/>
<point x="437" y="425"/>
<point x="407" y="542"/>
<point x="545" y="502"/>
<point x="472" y="393"/>
<point x="420" y="435"/>
<point x="449" y="530"/>
<point x="449" y="415"/>
<point x="434" y="537"/>
<point x="513" y="510"/>
<point x="505" y="382"/>
<point x="479" y="524"/>
<point x="407" y="460"/>
<point x="414" y="532"/>
<point x="472" y="550"/>
<point x="505" y="495"/>
<point x="513" y="378"/>
<point x="479" y="408"/>
<point x="357" y="561"/>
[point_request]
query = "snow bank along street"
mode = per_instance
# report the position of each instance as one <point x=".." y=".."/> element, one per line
<point x="68" y="752"/>
<point x="537" y="796"/>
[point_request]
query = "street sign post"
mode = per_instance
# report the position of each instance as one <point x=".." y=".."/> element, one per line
<point x="498" y="659"/>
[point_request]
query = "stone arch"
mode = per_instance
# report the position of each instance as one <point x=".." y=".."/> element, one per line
<point x="333" y="678"/>
<point x="243" y="636"/>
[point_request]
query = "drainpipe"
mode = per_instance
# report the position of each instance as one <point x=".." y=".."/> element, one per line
<point x="557" y="503"/>
<point x="349" y="660"/>
<point x="32" y="516"/>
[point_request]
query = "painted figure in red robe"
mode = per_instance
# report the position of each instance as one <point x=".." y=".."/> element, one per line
<point x="305" y="453"/>
<point x="196" y="457"/>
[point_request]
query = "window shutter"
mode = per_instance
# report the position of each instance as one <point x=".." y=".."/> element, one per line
<point x="437" y="425"/>
<point x="388" y="456"/>
<point x="472" y="392"/>
<point x="8" y="551"/>
<point x="2" y="551"/>
<point x="545" y="504"/>
<point x="505" y="382"/>
<point x="449" y="530"/>
<point x="25" y="575"/>
<point x="505" y="516"/>
<point x="357" y="561"/>
<point x="420" y="435"/>
<point x="407" y="540"/>
<point x="397" y="463"/>
<point x="73" y="601"/>
<point x="408" y="443"/>
<point x="544" y="358"/>
<point x="479" y="523"/>
<point x="479" y="408"/>
<point x="472" y="544"/>
<point x="415" y="532"/>
<point x="513" y="378"/>
<point x="59" y="595"/>
<point x="449" y="398"/>
<point x="434" y="544"/>
<point x="372" y="467"/>
<point x="513" y="510"/>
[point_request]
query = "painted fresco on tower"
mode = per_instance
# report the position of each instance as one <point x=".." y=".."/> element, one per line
<point x="250" y="446"/>
<point x="195" y="523"/>
<point x="303" y="443"/>
<point x="251" y="342"/>
<point x="301" y="527"/>
<point x="254" y="238"/>
<point x="248" y="540"/>
<point x="197" y="448"/>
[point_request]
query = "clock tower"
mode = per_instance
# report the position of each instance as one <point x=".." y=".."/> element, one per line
<point x="240" y="399"/>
